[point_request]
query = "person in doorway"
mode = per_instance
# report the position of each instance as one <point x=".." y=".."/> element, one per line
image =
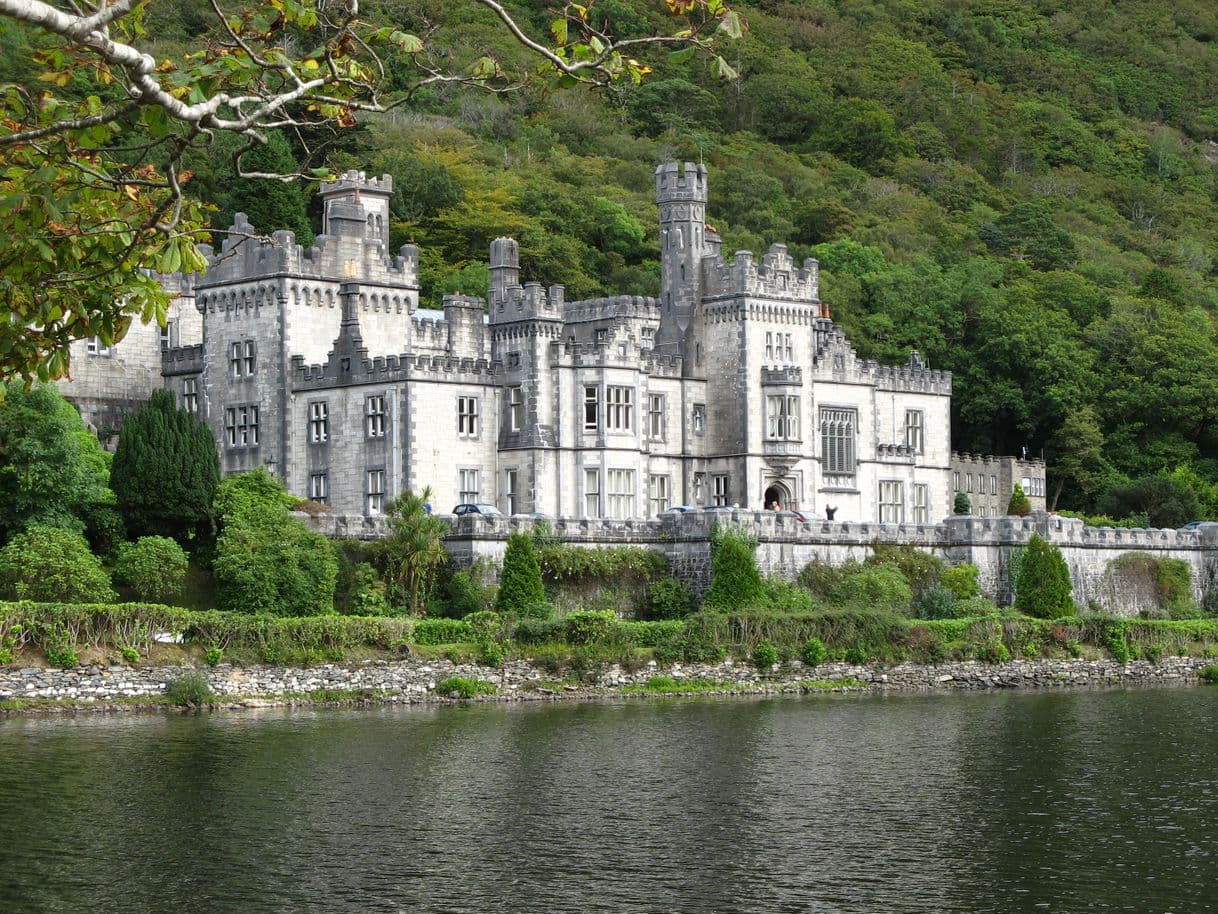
<point x="830" y="510"/>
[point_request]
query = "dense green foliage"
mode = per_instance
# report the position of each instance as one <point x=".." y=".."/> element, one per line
<point x="154" y="567"/>
<point x="520" y="582"/>
<point x="1019" y="505"/>
<point x="464" y="687"/>
<point x="52" y="469"/>
<point x="51" y="563"/>
<point x="735" y="581"/>
<point x="1168" y="580"/>
<point x="1042" y="587"/>
<point x="165" y="471"/>
<point x="266" y="560"/>
<point x="413" y="553"/>
<point x="961" y="504"/>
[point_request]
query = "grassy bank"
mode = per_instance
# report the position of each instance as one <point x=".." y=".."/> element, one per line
<point x="67" y="635"/>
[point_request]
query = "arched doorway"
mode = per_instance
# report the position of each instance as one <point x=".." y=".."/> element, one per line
<point x="777" y="492"/>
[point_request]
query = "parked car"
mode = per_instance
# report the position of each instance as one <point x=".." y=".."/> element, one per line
<point x="1196" y="524"/>
<point x="484" y="510"/>
<point x="677" y="509"/>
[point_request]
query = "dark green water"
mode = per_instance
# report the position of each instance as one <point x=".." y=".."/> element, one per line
<point x="1080" y="801"/>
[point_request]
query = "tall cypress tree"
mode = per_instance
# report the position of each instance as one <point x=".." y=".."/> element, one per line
<point x="165" y="472"/>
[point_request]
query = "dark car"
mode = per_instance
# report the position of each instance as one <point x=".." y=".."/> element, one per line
<point x="677" y="509"/>
<point x="471" y="508"/>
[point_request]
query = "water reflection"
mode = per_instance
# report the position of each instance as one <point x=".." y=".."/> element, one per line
<point x="1072" y="801"/>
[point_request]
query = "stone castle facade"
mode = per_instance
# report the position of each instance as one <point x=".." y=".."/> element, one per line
<point x="732" y="387"/>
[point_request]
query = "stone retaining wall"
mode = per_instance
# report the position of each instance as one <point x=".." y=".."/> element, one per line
<point x="786" y="545"/>
<point x="414" y="680"/>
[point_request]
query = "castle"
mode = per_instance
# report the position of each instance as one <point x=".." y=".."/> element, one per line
<point x="732" y="387"/>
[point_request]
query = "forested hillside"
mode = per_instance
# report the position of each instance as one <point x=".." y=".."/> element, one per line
<point x="1023" y="190"/>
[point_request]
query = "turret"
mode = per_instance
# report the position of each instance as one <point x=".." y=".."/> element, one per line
<point x="505" y="268"/>
<point x="681" y="195"/>
<point x="344" y="197"/>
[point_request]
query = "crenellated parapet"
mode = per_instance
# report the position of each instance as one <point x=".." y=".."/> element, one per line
<point x="617" y="307"/>
<point x="247" y="256"/>
<point x="182" y="360"/>
<point x="390" y="369"/>
<point x="783" y="376"/>
<point x="775" y="277"/>
<point x="528" y="302"/>
<point x="986" y="460"/>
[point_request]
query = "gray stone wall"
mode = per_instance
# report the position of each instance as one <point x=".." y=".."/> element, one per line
<point x="415" y="680"/>
<point x="787" y="545"/>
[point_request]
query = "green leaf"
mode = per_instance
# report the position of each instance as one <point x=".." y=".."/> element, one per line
<point x="723" y="70"/>
<point x="558" y="28"/>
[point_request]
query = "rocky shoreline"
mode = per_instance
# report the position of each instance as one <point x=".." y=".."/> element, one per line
<point x="124" y="688"/>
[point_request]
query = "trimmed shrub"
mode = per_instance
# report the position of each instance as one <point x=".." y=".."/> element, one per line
<point x="667" y="598"/>
<point x="735" y="581"/>
<point x="1043" y="588"/>
<point x="961" y="580"/>
<point x="430" y="632"/>
<point x="881" y="587"/>
<point x="1019" y="505"/>
<point x="153" y="566"/>
<point x="814" y="652"/>
<point x="962" y="504"/>
<point x="765" y="656"/>
<point x="520" y="581"/>
<point x="540" y="610"/>
<point x="538" y="631"/>
<point x="590" y="627"/>
<point x="651" y="634"/>
<point x="486" y="625"/>
<point x="974" y="607"/>
<point x="51" y="564"/>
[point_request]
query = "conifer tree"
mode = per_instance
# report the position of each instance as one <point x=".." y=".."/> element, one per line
<point x="1043" y="587"/>
<point x="1019" y="504"/>
<point x="520" y="583"/>
<point x="962" y="505"/>
<point x="165" y="472"/>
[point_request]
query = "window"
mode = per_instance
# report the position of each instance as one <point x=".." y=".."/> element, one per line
<point x="592" y="409"/>
<point x="319" y="487"/>
<point x="769" y="346"/>
<point x="1027" y="485"/>
<point x="375" y="488"/>
<point x="319" y="423"/>
<point x="719" y="482"/>
<point x="993" y="485"/>
<point x="968" y="483"/>
<point x="592" y="493"/>
<point x="658" y="498"/>
<point x="190" y="395"/>
<point x="468" y="492"/>
<point x="699" y="418"/>
<point x="956" y="481"/>
<point x="921" y="503"/>
<point x="509" y="491"/>
<point x="515" y="408"/>
<point x="649" y="337"/>
<point x="602" y="334"/>
<point x="621" y="493"/>
<point x="467" y="417"/>
<point x="95" y="346"/>
<point x="782" y="414"/>
<point x="915" y="430"/>
<point x="1038" y="486"/>
<point x="374" y="416"/>
<point x="699" y="488"/>
<point x="513" y="360"/>
<point x="837" y="431"/>
<point x="655" y="417"/>
<point x="619" y="408"/>
<point x="167" y="335"/>
<point x="788" y="346"/>
<point x="892" y="502"/>
<point x="241" y="426"/>
<point x="241" y="359"/>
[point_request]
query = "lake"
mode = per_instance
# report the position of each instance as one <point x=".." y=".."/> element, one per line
<point x="1065" y="801"/>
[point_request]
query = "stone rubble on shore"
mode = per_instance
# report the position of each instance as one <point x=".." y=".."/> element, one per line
<point x="415" y="680"/>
